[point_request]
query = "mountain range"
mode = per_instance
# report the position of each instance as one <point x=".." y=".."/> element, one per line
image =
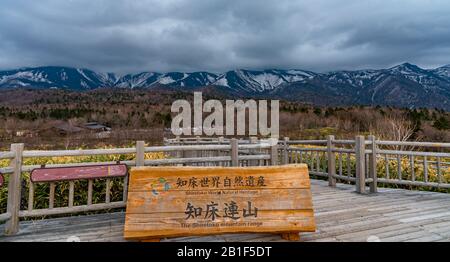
<point x="404" y="85"/>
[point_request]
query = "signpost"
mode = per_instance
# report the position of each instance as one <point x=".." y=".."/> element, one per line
<point x="184" y="201"/>
<point x="49" y="174"/>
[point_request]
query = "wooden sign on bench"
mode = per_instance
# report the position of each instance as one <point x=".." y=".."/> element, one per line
<point x="184" y="201"/>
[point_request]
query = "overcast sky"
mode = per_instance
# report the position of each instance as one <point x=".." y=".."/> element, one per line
<point x="218" y="35"/>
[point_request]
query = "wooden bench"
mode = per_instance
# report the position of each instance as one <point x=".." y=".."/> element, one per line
<point x="56" y="174"/>
<point x="184" y="201"/>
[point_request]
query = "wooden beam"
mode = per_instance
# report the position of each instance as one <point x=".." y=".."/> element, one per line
<point x="234" y="152"/>
<point x="14" y="190"/>
<point x="331" y="161"/>
<point x="140" y="153"/>
<point x="291" y="236"/>
<point x="373" y="164"/>
<point x="360" y="148"/>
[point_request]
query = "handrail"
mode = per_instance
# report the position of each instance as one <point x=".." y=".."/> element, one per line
<point x="307" y="142"/>
<point x="5" y="216"/>
<point x="80" y="152"/>
<point x="6" y="170"/>
<point x="413" y="153"/>
<point x="344" y="142"/>
<point x="6" y="155"/>
<point x="408" y="143"/>
<point x="186" y="148"/>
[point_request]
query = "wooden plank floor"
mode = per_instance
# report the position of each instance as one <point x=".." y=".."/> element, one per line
<point x="341" y="215"/>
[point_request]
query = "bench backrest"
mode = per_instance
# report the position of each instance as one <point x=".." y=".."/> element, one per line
<point x="182" y="201"/>
<point x="52" y="174"/>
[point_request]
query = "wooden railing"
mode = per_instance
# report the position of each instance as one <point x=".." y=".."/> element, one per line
<point x="364" y="162"/>
<point x="231" y="153"/>
<point x="371" y="161"/>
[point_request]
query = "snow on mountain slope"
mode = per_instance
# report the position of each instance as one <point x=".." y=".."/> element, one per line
<point x="196" y="79"/>
<point x="258" y="81"/>
<point x="46" y="77"/>
<point x="354" y="78"/>
<point x="427" y="78"/>
<point x="178" y="79"/>
<point x="443" y="71"/>
<point x="138" y="80"/>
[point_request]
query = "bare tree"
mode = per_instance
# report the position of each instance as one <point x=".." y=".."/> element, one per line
<point x="394" y="128"/>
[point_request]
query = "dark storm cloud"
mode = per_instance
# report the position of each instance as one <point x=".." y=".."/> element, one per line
<point x="172" y="35"/>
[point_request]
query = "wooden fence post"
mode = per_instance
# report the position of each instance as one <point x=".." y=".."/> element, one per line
<point x="197" y="153"/>
<point x="331" y="162"/>
<point x="234" y="152"/>
<point x="274" y="155"/>
<point x="253" y="140"/>
<point x="285" y="151"/>
<point x="360" y="148"/>
<point x="140" y="153"/>
<point x="179" y="153"/>
<point x="219" y="152"/>
<point x="14" y="190"/>
<point x="373" y="164"/>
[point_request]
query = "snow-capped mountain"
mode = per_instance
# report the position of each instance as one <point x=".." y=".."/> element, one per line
<point x="82" y="79"/>
<point x="85" y="79"/>
<point x="258" y="81"/>
<point x="405" y="85"/>
<point x="55" y="77"/>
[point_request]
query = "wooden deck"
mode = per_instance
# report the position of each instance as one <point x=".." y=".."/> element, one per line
<point x="341" y="215"/>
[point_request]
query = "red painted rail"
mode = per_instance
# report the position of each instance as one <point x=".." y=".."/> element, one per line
<point x="53" y="174"/>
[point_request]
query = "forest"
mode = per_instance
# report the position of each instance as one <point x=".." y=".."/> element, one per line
<point x="47" y="119"/>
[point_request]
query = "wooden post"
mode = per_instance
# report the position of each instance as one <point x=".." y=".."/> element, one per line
<point x="140" y="153"/>
<point x="71" y="193"/>
<point x="331" y="162"/>
<point x="291" y="236"/>
<point x="253" y="140"/>
<point x="234" y="152"/>
<point x="197" y="153"/>
<point x="373" y="164"/>
<point x="360" y="149"/>
<point x="14" y="190"/>
<point x="274" y="155"/>
<point x="285" y="151"/>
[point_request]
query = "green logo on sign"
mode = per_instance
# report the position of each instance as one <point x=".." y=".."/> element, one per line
<point x="160" y="187"/>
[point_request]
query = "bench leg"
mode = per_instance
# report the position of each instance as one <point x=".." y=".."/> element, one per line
<point x="292" y="236"/>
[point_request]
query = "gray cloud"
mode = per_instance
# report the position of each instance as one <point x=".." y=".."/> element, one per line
<point x="175" y="35"/>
